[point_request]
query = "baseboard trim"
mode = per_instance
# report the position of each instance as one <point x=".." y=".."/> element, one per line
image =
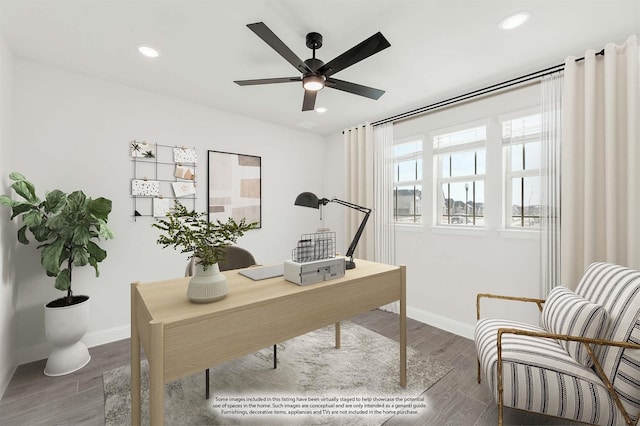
<point x="42" y="350"/>
<point x="444" y="323"/>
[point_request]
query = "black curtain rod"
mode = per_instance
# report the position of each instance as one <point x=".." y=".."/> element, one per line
<point x="478" y="92"/>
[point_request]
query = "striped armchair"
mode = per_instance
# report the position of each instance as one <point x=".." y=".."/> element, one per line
<point x="581" y="363"/>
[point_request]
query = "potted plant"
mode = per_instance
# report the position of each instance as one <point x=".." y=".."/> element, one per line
<point x="205" y="242"/>
<point x="67" y="227"/>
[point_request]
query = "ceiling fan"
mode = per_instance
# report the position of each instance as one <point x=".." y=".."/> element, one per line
<point x="315" y="73"/>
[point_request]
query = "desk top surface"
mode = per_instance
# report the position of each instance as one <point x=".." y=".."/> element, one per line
<point x="166" y="301"/>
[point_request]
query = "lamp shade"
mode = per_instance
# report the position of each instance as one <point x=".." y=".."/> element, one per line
<point x="307" y="199"/>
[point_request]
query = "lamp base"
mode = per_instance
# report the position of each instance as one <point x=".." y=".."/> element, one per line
<point x="350" y="264"/>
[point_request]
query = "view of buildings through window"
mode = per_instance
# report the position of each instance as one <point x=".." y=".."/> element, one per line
<point x="407" y="172"/>
<point x="521" y="139"/>
<point x="459" y="160"/>
<point x="461" y="166"/>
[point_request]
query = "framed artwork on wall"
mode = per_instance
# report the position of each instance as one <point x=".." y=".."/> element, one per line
<point x="234" y="187"/>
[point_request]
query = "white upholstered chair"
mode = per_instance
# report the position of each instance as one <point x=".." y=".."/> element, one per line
<point x="581" y="363"/>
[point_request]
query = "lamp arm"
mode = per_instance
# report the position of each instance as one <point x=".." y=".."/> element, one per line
<point x="348" y="204"/>
<point x="356" y="238"/>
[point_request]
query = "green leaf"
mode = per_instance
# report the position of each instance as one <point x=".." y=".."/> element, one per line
<point x="55" y="201"/>
<point x="80" y="256"/>
<point x="80" y="234"/>
<point x="41" y="233"/>
<point x="24" y="188"/>
<point x="16" y="176"/>
<point x="32" y="219"/>
<point x="99" y="208"/>
<point x="6" y="201"/>
<point x="76" y="201"/>
<point x="51" y="257"/>
<point x="96" y="252"/>
<point x="63" y="280"/>
<point x="22" y="235"/>
<point x="93" y="262"/>
<point x="104" y="230"/>
<point x="19" y="208"/>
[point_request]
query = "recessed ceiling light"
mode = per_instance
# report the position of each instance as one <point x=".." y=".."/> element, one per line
<point x="514" y="20"/>
<point x="321" y="110"/>
<point x="149" y="52"/>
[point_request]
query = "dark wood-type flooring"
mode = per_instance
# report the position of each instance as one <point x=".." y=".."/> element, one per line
<point x="77" y="399"/>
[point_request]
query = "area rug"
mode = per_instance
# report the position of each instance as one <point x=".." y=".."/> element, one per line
<point x="315" y="383"/>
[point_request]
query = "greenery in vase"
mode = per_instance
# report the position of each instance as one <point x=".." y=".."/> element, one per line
<point x="67" y="225"/>
<point x="193" y="233"/>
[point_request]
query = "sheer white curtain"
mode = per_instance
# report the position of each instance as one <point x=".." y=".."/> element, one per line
<point x="552" y="86"/>
<point x="369" y="163"/>
<point x="600" y="161"/>
<point x="384" y="223"/>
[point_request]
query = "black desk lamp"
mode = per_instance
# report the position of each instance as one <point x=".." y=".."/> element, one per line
<point x="308" y="199"/>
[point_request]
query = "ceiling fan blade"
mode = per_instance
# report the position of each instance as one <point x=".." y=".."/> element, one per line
<point x="356" y="89"/>
<point x="276" y="44"/>
<point x="267" y="81"/>
<point x="309" y="101"/>
<point x="370" y="46"/>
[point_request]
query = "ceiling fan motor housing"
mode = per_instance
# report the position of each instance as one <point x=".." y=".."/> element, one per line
<point x="314" y="63"/>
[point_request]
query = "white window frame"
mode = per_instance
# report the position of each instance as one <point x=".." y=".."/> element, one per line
<point x="417" y="182"/>
<point x="439" y="180"/>
<point x="509" y="174"/>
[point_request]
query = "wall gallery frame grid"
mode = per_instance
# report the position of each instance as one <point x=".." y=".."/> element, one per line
<point x="234" y="187"/>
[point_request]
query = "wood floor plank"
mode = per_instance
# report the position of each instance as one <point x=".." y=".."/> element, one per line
<point x="78" y="398"/>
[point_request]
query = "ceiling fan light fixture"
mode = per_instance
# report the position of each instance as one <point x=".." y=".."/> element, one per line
<point x="313" y="82"/>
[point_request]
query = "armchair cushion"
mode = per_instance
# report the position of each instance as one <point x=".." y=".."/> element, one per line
<point x="539" y="375"/>
<point x="566" y="312"/>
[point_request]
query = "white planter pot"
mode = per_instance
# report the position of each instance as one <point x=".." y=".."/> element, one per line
<point x="64" y="327"/>
<point x="207" y="286"/>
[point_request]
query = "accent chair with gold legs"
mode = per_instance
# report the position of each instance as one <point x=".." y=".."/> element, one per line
<point x="581" y="363"/>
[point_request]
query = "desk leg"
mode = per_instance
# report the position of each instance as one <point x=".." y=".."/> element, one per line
<point x="403" y="326"/>
<point x="338" y="335"/>
<point x="156" y="374"/>
<point x="135" y="359"/>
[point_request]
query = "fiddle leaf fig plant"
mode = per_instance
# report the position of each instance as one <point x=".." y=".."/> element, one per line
<point x="193" y="233"/>
<point x="66" y="225"/>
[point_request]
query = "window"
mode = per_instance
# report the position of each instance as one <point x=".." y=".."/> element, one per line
<point x="407" y="180"/>
<point x="460" y="167"/>
<point x="521" y="141"/>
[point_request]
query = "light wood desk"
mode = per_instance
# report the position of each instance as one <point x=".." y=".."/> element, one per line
<point x="181" y="338"/>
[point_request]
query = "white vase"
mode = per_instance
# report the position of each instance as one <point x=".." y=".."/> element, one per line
<point x="207" y="285"/>
<point x="64" y="327"/>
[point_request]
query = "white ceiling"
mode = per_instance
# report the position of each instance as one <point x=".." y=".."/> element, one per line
<point x="439" y="48"/>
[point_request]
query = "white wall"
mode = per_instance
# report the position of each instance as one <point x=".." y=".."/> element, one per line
<point x="73" y="132"/>
<point x="445" y="271"/>
<point x="8" y="327"/>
